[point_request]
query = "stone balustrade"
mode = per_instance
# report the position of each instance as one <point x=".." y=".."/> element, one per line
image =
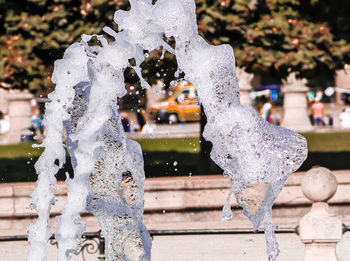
<point x="193" y="204"/>
<point x="180" y="203"/>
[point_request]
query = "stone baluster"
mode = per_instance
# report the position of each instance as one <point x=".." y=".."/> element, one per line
<point x="245" y="86"/>
<point x="295" y="106"/>
<point x="320" y="230"/>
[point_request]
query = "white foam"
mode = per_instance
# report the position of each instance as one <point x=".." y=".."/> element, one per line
<point x="246" y="147"/>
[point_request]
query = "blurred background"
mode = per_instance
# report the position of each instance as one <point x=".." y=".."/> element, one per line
<point x="292" y="61"/>
<point x="272" y="40"/>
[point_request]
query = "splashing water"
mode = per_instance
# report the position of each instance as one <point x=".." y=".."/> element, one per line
<point x="108" y="168"/>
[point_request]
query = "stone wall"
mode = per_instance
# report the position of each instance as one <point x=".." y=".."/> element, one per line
<point x="179" y="203"/>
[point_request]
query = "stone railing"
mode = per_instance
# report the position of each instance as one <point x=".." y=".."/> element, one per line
<point x="191" y="206"/>
<point x="180" y="203"/>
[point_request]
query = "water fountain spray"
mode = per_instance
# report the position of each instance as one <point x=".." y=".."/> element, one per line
<point x="108" y="168"/>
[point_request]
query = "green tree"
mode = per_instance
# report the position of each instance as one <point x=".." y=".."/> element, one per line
<point x="306" y="36"/>
<point x="34" y="33"/>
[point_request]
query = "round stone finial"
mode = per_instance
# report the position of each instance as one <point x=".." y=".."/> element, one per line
<point x="319" y="184"/>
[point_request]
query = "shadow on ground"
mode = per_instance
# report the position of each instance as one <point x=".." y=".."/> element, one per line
<point x="164" y="164"/>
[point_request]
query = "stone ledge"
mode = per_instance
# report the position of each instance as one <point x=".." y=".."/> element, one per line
<point x="175" y="193"/>
<point x="176" y="201"/>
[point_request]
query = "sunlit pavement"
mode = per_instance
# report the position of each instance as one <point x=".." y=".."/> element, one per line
<point x="192" y="129"/>
<point x="243" y="247"/>
<point x="179" y="130"/>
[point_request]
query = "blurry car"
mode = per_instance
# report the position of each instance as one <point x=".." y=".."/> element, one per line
<point x="179" y="106"/>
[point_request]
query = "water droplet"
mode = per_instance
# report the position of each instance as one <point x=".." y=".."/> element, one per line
<point x="157" y="89"/>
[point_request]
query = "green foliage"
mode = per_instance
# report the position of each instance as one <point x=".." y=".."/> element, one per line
<point x="286" y="35"/>
<point x="308" y="36"/>
<point x="36" y="32"/>
<point x="189" y="144"/>
<point x="317" y="142"/>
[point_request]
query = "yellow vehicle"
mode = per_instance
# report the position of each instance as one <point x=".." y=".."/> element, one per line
<point x="179" y="106"/>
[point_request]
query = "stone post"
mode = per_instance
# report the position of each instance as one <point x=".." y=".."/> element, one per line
<point x="295" y="107"/>
<point x="20" y="112"/>
<point x="319" y="230"/>
<point x="3" y="99"/>
<point x="342" y="80"/>
<point x="245" y="86"/>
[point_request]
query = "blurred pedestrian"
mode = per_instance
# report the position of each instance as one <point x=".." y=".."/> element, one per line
<point x="37" y="122"/>
<point x="317" y="109"/>
<point x="274" y="116"/>
<point x="310" y="97"/>
<point x="266" y="111"/>
<point x="141" y="118"/>
<point x="148" y="128"/>
<point x="125" y="121"/>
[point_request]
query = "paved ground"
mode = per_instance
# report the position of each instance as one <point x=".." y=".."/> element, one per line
<point x="180" y="130"/>
<point x="243" y="247"/>
<point x="193" y="129"/>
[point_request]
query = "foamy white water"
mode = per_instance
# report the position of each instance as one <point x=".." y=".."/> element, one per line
<point x="107" y="166"/>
